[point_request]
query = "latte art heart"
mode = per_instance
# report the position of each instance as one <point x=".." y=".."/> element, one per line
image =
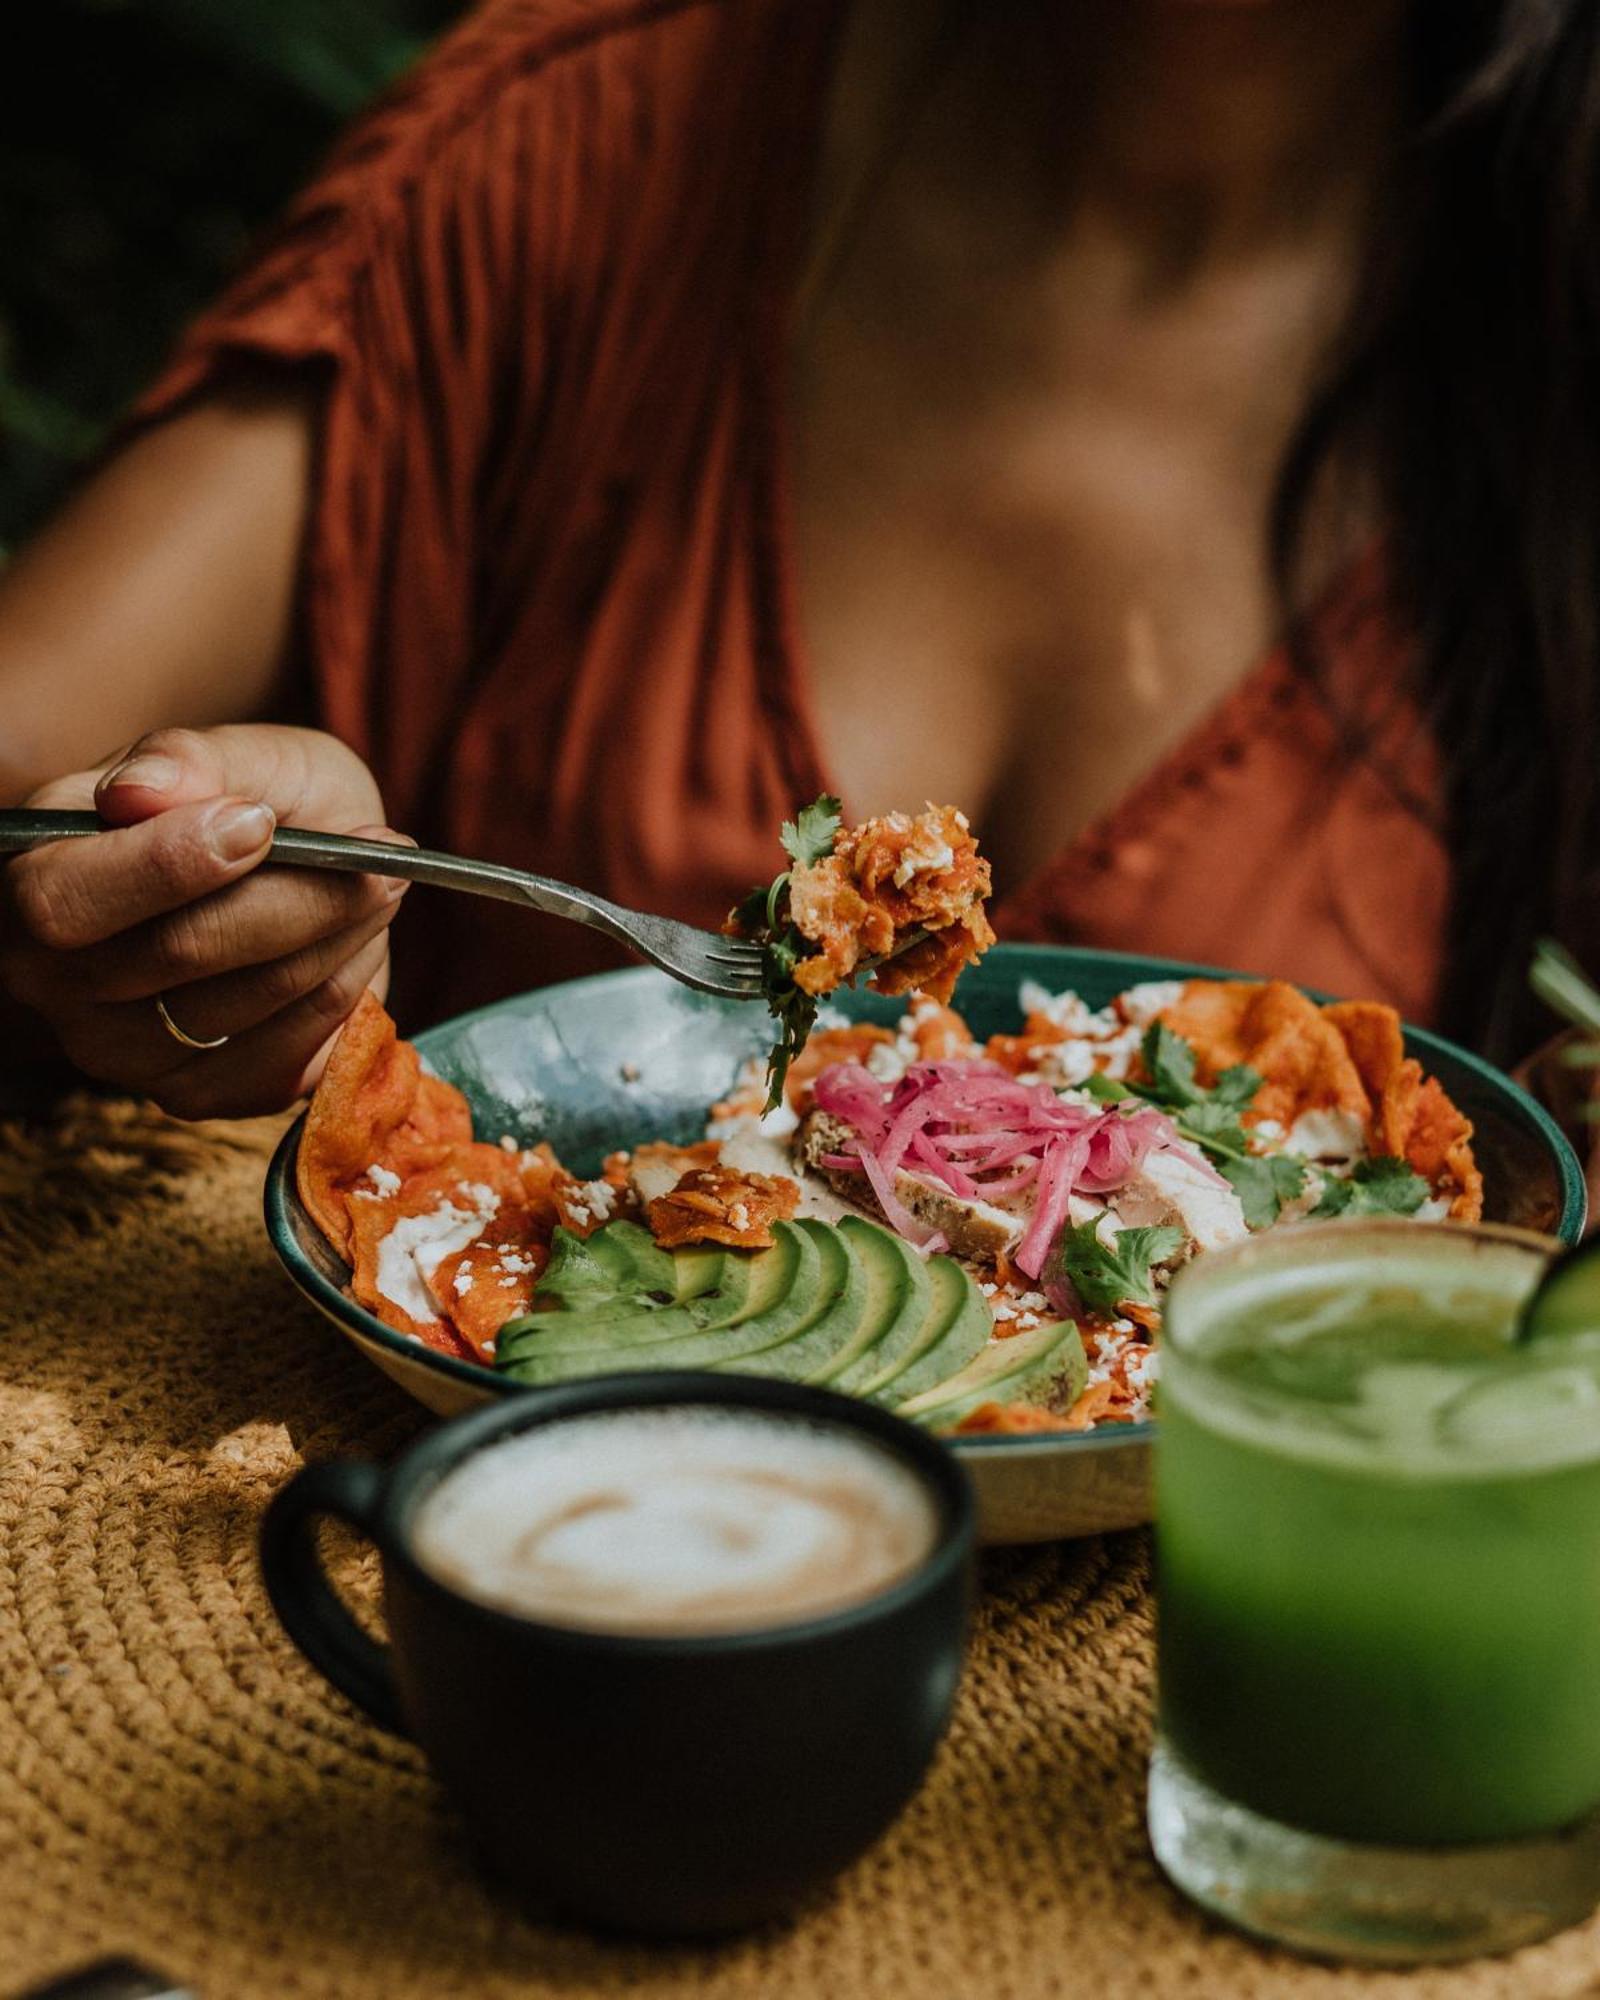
<point x="676" y="1521"/>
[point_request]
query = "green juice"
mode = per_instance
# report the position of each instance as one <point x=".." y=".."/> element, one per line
<point x="1379" y="1541"/>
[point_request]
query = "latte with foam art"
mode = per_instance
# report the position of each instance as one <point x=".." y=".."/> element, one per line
<point x="676" y="1521"/>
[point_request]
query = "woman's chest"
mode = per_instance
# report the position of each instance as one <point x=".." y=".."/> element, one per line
<point x="1014" y="644"/>
<point x="1025" y="569"/>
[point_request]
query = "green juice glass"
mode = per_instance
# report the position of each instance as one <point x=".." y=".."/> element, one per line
<point x="1378" y="1561"/>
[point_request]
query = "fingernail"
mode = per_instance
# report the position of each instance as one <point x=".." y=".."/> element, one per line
<point x="239" y="830"/>
<point x="150" y="774"/>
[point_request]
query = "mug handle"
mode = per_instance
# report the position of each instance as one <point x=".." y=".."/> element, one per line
<point x="313" y="1614"/>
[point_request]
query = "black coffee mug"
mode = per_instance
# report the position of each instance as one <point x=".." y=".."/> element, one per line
<point x="673" y="1785"/>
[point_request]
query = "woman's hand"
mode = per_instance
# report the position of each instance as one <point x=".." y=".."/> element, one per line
<point x="172" y="906"/>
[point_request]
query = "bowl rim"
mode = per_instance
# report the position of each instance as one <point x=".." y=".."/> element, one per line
<point x="281" y="1203"/>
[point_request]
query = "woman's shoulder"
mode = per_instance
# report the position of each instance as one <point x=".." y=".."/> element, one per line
<point x="509" y="62"/>
<point x="523" y="92"/>
<point x="541" y="147"/>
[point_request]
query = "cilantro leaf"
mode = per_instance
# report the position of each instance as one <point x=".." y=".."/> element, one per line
<point x="763" y="918"/>
<point x="1105" y="1277"/>
<point x="796" y="1013"/>
<point x="1209" y="1118"/>
<point x="1214" y="1125"/>
<point x="1169" y="1064"/>
<point x="809" y="837"/>
<point x="1263" y="1183"/>
<point x="1236" y="1087"/>
<point x="749" y="915"/>
<point x="1380" y="1186"/>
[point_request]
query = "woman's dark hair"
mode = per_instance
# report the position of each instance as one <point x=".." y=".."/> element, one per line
<point x="1469" y="392"/>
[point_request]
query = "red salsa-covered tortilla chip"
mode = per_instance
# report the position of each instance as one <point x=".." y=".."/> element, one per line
<point x="493" y="1279"/>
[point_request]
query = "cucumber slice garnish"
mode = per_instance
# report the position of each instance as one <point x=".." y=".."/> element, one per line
<point x="1565" y="1304"/>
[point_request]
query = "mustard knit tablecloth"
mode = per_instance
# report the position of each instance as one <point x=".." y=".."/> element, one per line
<point x="176" y="1783"/>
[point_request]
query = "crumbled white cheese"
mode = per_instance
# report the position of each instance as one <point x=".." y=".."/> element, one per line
<point x="508" y="1284"/>
<point x="418" y="1244"/>
<point x="1065" y="1065"/>
<point x="1027" y="1321"/>
<point x="513" y="1260"/>
<point x="987" y="1289"/>
<point x="1267" y="1130"/>
<point x="927" y="854"/>
<point x="385" y="1181"/>
<point x="1326" y="1135"/>
<point x="1070" y="1013"/>
<point x="1004" y="1310"/>
<point x="594" y="1200"/>
<point x="888" y="1062"/>
<point x="1141" y="1367"/>
<point x="463" y="1282"/>
<point x="1141" y="1004"/>
<point x="1435" y="1209"/>
<point x="507" y="1143"/>
<point x="739" y="1216"/>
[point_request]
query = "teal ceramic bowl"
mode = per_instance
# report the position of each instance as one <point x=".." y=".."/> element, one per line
<point x="606" y="1062"/>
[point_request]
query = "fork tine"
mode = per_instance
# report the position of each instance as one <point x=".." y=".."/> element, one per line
<point x="704" y="959"/>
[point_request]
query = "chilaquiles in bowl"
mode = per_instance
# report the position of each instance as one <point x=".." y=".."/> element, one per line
<point x="977" y="1234"/>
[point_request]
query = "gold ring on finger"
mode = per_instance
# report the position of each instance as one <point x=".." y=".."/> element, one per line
<point x="177" y="1033"/>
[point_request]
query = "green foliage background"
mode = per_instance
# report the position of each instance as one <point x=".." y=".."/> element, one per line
<point x="142" y="144"/>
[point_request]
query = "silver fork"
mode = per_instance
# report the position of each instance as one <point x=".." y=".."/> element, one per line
<point x="701" y="959"/>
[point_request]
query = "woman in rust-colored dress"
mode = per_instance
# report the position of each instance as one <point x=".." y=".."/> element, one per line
<point x="1165" y="428"/>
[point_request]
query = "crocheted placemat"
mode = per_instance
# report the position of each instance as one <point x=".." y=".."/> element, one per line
<point x="176" y="1783"/>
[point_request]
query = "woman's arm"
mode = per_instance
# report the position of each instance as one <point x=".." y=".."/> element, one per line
<point x="163" y="596"/>
<point x="164" y="591"/>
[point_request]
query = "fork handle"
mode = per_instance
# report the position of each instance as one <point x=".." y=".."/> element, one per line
<point x="298" y="847"/>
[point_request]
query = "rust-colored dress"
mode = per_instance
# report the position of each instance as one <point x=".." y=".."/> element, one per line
<point x="548" y="588"/>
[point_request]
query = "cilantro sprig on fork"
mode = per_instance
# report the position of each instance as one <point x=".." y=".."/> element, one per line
<point x="763" y="917"/>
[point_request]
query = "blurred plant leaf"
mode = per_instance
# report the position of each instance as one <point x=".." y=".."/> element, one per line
<point x="336" y="52"/>
<point x="143" y="144"/>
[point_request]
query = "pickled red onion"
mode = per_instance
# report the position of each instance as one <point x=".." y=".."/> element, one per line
<point x="973" y="1128"/>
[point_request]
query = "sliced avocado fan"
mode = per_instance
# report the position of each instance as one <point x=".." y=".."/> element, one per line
<point x="847" y="1305"/>
<point x="1023" y="1368"/>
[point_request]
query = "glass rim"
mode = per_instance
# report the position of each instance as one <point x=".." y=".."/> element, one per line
<point x="1215" y="1268"/>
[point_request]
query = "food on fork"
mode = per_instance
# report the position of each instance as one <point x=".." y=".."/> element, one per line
<point x="979" y="1235"/>
<point x="901" y="896"/>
